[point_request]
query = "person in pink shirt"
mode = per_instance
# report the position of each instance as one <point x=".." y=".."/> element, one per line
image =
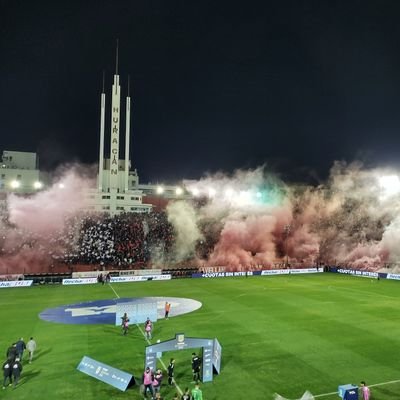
<point x="148" y="382"/>
<point x="148" y="327"/>
<point x="365" y="390"/>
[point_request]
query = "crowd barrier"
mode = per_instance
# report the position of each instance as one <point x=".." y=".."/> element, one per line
<point x="117" y="279"/>
<point x="255" y="273"/>
<point x="162" y="277"/>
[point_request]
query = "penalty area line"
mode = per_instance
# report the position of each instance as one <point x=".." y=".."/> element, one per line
<point x="374" y="385"/>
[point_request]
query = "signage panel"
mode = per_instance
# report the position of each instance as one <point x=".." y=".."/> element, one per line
<point x="105" y="373"/>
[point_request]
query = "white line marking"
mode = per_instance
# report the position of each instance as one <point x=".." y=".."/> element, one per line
<point x="148" y="341"/>
<point x="326" y="394"/>
<point x="114" y="291"/>
<point x="374" y="385"/>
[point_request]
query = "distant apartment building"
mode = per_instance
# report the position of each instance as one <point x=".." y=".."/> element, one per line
<point x="19" y="172"/>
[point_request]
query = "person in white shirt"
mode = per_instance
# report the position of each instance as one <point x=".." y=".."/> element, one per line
<point x="31" y="347"/>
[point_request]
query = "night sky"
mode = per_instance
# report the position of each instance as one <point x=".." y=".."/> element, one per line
<point x="216" y="85"/>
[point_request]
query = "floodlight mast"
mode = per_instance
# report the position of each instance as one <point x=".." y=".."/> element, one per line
<point x="115" y="123"/>
<point x="102" y="124"/>
<point x="127" y="137"/>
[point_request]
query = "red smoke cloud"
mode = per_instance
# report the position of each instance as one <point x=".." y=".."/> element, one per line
<point x="249" y="219"/>
<point x="28" y="237"/>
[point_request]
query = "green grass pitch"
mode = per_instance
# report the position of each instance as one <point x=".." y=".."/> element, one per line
<point x="281" y="334"/>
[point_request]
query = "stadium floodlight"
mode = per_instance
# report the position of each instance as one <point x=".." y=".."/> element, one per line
<point x="61" y="186"/>
<point x="390" y="184"/>
<point x="229" y="193"/>
<point x="160" y="190"/>
<point x="211" y="192"/>
<point x="15" y="184"/>
<point x="244" y="197"/>
<point x="178" y="191"/>
<point x="195" y="191"/>
<point x="38" y="185"/>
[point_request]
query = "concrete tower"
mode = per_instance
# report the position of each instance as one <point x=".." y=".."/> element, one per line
<point x="117" y="187"/>
<point x="102" y="124"/>
<point x="127" y="136"/>
<point x="115" y="115"/>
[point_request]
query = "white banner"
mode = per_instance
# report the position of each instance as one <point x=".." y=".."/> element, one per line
<point x="79" y="281"/>
<point x="10" y="284"/>
<point x="291" y="271"/>
<point x="393" y="276"/>
<point x="140" y="278"/>
<point x="117" y="279"/>
<point x="275" y="272"/>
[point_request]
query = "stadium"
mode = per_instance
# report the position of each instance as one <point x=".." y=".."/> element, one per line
<point x="298" y="284"/>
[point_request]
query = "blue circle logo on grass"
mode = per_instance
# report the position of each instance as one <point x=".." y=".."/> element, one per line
<point x="104" y="311"/>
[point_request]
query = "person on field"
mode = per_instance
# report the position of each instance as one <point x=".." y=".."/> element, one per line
<point x="365" y="391"/>
<point x="157" y="380"/>
<point x="170" y="369"/>
<point x="12" y="352"/>
<point x="186" y="395"/>
<point x="148" y="382"/>
<point x="7" y="373"/>
<point x="197" y="394"/>
<point x="21" y="346"/>
<point x="196" y="362"/>
<point x="16" y="371"/>
<point x="167" y="309"/>
<point x="148" y="327"/>
<point x="125" y="324"/>
<point x="31" y="347"/>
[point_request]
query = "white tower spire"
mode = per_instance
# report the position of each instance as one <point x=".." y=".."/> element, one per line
<point x="127" y="136"/>
<point x="115" y="113"/>
<point x="101" y="151"/>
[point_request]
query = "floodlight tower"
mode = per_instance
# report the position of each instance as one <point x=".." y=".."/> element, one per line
<point x="102" y="123"/>
<point x="115" y="115"/>
<point x="127" y="133"/>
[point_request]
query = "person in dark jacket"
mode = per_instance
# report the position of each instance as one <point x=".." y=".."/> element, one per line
<point x="196" y="362"/>
<point x="21" y="346"/>
<point x="16" y="371"/>
<point x="7" y="373"/>
<point x="12" y="352"/>
<point x="171" y="367"/>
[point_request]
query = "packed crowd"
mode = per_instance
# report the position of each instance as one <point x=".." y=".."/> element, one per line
<point x="121" y="241"/>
